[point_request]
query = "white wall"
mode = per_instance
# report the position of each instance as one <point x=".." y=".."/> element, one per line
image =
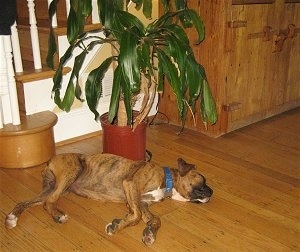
<point x="79" y="121"/>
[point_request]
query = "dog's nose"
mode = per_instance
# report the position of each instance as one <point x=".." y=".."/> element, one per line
<point x="207" y="190"/>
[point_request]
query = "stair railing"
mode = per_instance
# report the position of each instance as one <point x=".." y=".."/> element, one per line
<point x="11" y="62"/>
<point x="34" y="36"/>
<point x="8" y="90"/>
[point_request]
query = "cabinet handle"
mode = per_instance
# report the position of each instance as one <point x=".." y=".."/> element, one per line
<point x="278" y="39"/>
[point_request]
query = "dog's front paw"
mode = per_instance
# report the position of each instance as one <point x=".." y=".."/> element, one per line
<point x="11" y="221"/>
<point x="61" y="218"/>
<point x="148" y="236"/>
<point x="111" y="228"/>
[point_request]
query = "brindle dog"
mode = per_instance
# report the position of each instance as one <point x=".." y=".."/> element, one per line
<point x="107" y="177"/>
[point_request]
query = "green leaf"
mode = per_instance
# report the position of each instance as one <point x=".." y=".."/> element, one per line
<point x="177" y="32"/>
<point x="69" y="95"/>
<point x="180" y="4"/>
<point x="68" y="98"/>
<point x="162" y="21"/>
<point x="73" y="27"/>
<point x="160" y="83"/>
<point x="147" y="8"/>
<point x="127" y="100"/>
<point x="185" y="19"/>
<point x="57" y="98"/>
<point x="107" y="10"/>
<point x="52" y="8"/>
<point x="171" y="72"/>
<point x="144" y="58"/>
<point x="78" y="92"/>
<point x="166" y="5"/>
<point x="93" y="85"/>
<point x="138" y="4"/>
<point x="198" y="24"/>
<point x="79" y="60"/>
<point x="128" y="21"/>
<point x="177" y="51"/>
<point x="195" y="77"/>
<point x="208" y="106"/>
<point x="119" y="4"/>
<point x="86" y="6"/>
<point x="101" y="10"/>
<point x="52" y="49"/>
<point x="115" y="94"/>
<point x="57" y="78"/>
<point x="128" y="59"/>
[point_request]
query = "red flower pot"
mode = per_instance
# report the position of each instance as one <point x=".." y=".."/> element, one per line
<point x="122" y="141"/>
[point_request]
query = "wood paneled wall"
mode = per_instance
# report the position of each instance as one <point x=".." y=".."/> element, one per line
<point x="251" y="75"/>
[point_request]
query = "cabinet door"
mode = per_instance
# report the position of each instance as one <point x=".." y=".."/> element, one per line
<point x="213" y="54"/>
<point x="264" y="76"/>
<point x="252" y="76"/>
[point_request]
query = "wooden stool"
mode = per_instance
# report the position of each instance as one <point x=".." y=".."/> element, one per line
<point x="29" y="144"/>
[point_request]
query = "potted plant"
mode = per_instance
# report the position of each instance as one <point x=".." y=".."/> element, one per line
<point x="142" y="57"/>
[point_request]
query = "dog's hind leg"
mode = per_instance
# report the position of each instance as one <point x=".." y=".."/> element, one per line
<point x="153" y="223"/>
<point x="65" y="169"/>
<point x="50" y="204"/>
<point x="11" y="219"/>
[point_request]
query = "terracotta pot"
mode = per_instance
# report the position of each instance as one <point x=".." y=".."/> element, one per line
<point x="122" y="141"/>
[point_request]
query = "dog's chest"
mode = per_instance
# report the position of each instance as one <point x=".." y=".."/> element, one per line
<point x="154" y="196"/>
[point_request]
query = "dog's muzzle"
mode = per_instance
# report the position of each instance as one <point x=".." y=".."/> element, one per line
<point x="201" y="195"/>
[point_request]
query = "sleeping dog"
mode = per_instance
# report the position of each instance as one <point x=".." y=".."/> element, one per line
<point x="107" y="177"/>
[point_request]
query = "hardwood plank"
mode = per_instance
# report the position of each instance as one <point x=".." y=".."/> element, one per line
<point x="254" y="173"/>
<point x="37" y="225"/>
<point x="223" y="229"/>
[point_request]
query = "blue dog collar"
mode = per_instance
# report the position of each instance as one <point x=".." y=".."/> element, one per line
<point x="169" y="182"/>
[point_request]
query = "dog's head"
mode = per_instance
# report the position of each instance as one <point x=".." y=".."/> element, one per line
<point x="191" y="185"/>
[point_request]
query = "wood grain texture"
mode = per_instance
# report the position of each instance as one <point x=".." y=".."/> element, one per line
<point x="29" y="144"/>
<point x="241" y="66"/>
<point x="254" y="173"/>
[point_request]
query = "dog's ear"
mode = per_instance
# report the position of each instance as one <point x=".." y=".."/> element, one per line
<point x="184" y="167"/>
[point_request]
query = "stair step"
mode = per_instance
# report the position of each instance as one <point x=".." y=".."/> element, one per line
<point x="60" y="31"/>
<point x="29" y="144"/>
<point x="30" y="76"/>
<point x="35" y="75"/>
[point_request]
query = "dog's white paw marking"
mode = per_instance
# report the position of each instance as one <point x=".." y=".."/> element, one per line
<point x="148" y="238"/>
<point x="63" y="219"/>
<point x="108" y="229"/>
<point x="11" y="221"/>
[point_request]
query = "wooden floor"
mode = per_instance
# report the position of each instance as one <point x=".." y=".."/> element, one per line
<point x="255" y="207"/>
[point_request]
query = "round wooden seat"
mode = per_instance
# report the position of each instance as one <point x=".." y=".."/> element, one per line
<point x="29" y="144"/>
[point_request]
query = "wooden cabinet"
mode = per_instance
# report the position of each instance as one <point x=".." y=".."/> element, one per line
<point x="251" y="54"/>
